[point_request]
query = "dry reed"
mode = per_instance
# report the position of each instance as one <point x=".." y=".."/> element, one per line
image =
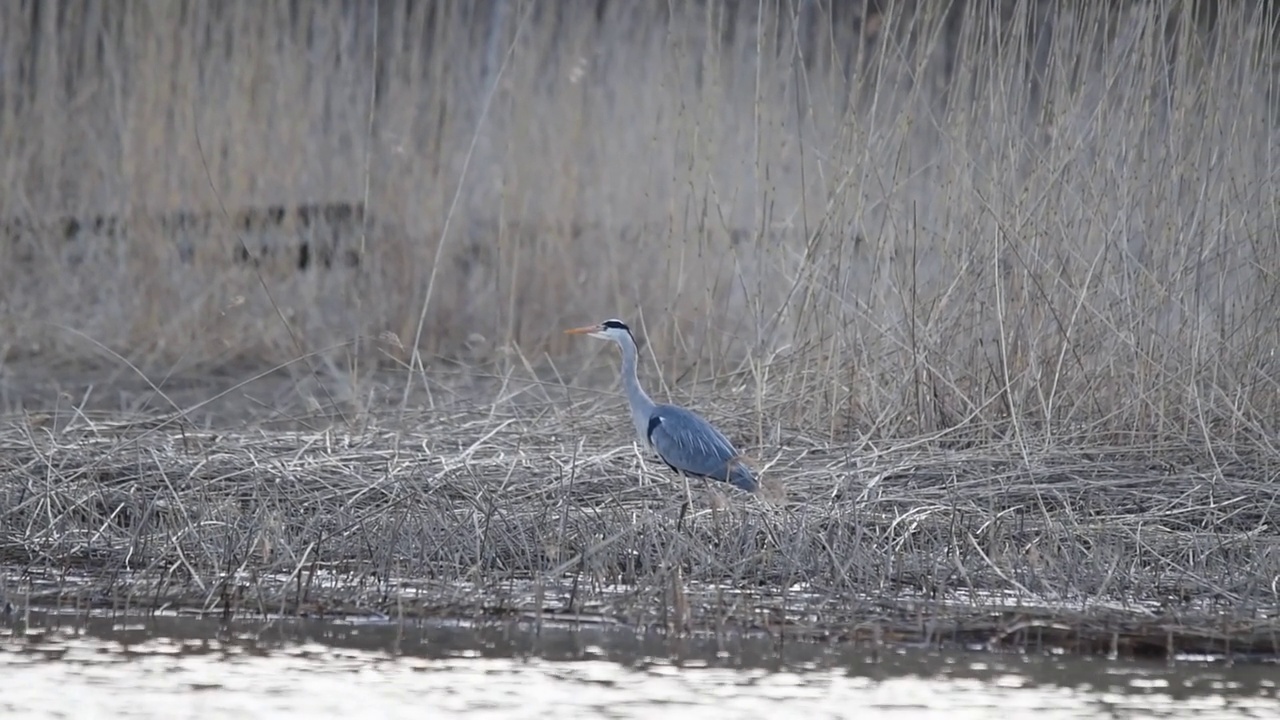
<point x="991" y="293"/>
<point x="533" y="510"/>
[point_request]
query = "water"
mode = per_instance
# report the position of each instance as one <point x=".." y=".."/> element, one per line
<point x="176" y="667"/>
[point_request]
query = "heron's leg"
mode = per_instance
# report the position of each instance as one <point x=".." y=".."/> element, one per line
<point x="687" y="504"/>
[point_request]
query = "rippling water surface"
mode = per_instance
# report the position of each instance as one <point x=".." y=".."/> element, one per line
<point x="172" y="667"/>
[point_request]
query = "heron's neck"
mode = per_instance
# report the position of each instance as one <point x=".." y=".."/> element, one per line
<point x="638" y="398"/>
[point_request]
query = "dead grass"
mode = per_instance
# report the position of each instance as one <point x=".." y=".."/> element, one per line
<point x="1025" y="278"/>
<point x="523" y="509"/>
<point x="897" y="224"/>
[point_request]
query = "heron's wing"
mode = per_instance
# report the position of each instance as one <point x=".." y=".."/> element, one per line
<point x="688" y="443"/>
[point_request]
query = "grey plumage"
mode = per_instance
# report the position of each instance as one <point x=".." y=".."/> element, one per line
<point x="684" y="440"/>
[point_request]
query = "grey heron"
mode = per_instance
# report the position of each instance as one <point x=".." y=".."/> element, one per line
<point x="684" y="440"/>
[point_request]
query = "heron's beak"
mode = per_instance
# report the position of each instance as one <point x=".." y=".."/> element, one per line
<point x="584" y="330"/>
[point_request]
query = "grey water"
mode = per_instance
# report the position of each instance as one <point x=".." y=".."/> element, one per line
<point x="55" y="666"/>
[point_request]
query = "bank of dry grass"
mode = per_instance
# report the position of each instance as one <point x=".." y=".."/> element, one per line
<point x="995" y="306"/>
<point x="539" y="512"/>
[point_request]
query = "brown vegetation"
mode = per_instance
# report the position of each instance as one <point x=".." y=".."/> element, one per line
<point x="992" y="298"/>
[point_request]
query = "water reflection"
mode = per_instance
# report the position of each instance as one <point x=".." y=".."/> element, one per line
<point x="174" y="667"/>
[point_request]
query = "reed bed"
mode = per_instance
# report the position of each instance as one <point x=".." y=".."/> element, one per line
<point x="900" y="218"/>
<point x="988" y="290"/>
<point x="543" y="513"/>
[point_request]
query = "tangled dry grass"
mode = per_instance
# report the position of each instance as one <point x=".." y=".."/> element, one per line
<point x="538" y="511"/>
<point x="991" y="291"/>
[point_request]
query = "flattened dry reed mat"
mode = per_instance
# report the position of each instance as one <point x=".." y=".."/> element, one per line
<point x="1096" y="549"/>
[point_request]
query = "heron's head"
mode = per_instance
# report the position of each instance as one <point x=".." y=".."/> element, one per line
<point x="614" y="330"/>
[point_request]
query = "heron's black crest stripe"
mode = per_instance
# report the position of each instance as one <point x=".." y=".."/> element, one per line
<point x="615" y="325"/>
<point x="654" y="422"/>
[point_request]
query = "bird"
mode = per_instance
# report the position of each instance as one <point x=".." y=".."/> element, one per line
<point x="684" y="440"/>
